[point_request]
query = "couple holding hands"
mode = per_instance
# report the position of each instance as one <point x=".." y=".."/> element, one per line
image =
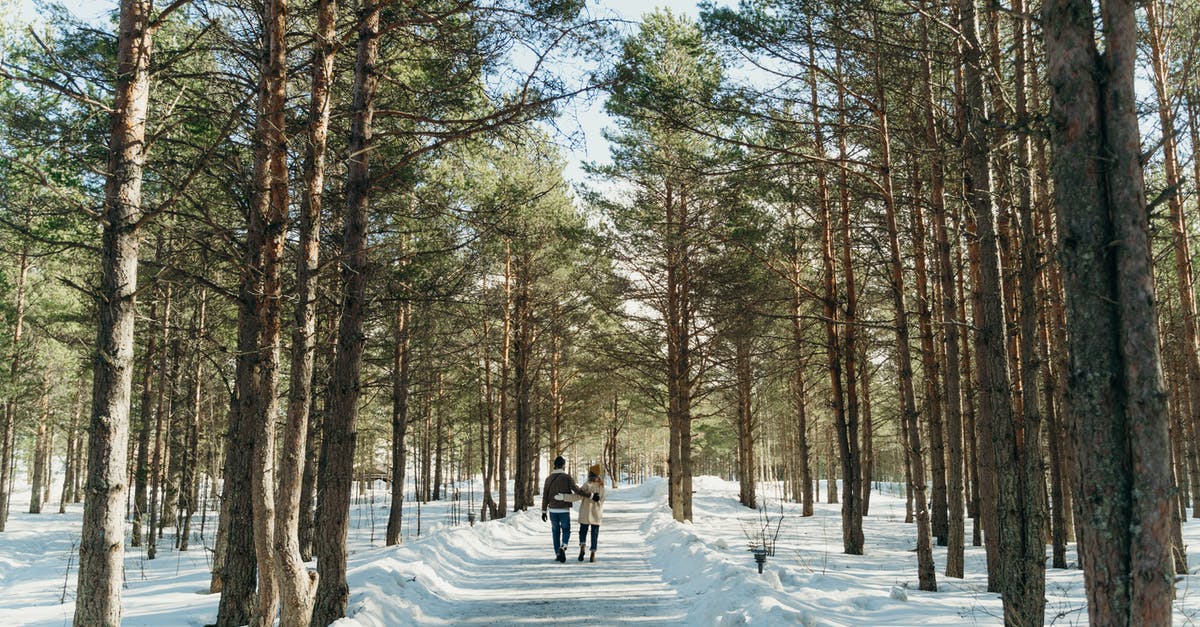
<point x="558" y="496"/>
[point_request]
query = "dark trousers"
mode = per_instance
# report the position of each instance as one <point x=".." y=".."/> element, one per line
<point x="583" y="534"/>
<point x="560" y="528"/>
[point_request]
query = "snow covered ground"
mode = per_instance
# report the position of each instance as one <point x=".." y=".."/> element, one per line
<point x="649" y="570"/>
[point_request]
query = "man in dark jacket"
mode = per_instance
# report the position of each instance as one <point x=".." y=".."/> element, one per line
<point x="559" y="482"/>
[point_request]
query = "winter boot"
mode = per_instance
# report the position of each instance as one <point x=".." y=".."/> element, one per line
<point x="561" y="556"/>
<point x="591" y="559"/>
<point x="581" y="552"/>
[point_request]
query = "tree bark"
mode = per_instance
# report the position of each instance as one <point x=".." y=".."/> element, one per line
<point x="297" y="585"/>
<point x="1117" y="418"/>
<point x="1180" y="243"/>
<point x="1000" y="508"/>
<point x="8" y="431"/>
<point x="955" y="519"/>
<point x="401" y="360"/>
<point x="142" y="467"/>
<point x="40" y="454"/>
<point x="525" y="453"/>
<point x="102" y="546"/>
<point x="188" y="488"/>
<point x="745" y="422"/>
<point x="252" y="453"/>
<point x="337" y="455"/>
<point x="926" y="573"/>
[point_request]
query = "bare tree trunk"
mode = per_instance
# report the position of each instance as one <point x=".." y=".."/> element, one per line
<point x="525" y="455"/>
<point x="188" y="488"/>
<point x="868" y="428"/>
<point x="72" y="443"/>
<point x="297" y="585"/>
<point x="142" y="467"/>
<point x="337" y="456"/>
<point x="166" y="369"/>
<point x="313" y="443"/>
<point x="1181" y="245"/>
<point x="955" y="520"/>
<point x="804" y="477"/>
<point x="926" y="573"/>
<point x="488" y="509"/>
<point x="8" y="431"/>
<point x="1003" y="511"/>
<point x="250" y="465"/>
<point x="939" y="522"/>
<point x="172" y="444"/>
<point x="851" y="518"/>
<point x="505" y="353"/>
<point x="1116" y="402"/>
<point x="401" y="359"/>
<point x="745" y="421"/>
<point x="1027" y="428"/>
<point x="102" y="545"/>
<point x="40" y="454"/>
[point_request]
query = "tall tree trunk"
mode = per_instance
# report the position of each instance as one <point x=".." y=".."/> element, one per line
<point x="926" y="574"/>
<point x="931" y="363"/>
<point x="188" y="488"/>
<point x="298" y="587"/>
<point x="851" y="520"/>
<point x="505" y="365"/>
<point x="868" y="427"/>
<point x="999" y="504"/>
<point x="679" y="349"/>
<point x="250" y="466"/>
<point x="1181" y="245"/>
<point x="72" y="443"/>
<point x="142" y="467"/>
<point x="8" y="431"/>
<point x="438" y="445"/>
<point x="849" y="426"/>
<point x="525" y="455"/>
<point x="337" y="455"/>
<point x="488" y="508"/>
<point x="955" y="520"/>
<point x="1117" y="418"/>
<point x="796" y="262"/>
<point x="1027" y="459"/>
<point x="102" y="545"/>
<point x="745" y="421"/>
<point x="401" y="360"/>
<point x="172" y="443"/>
<point x="41" y="452"/>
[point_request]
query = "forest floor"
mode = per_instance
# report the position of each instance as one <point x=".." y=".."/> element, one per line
<point x="649" y="569"/>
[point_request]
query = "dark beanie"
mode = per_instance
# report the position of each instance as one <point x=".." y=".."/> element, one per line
<point x="559" y="462"/>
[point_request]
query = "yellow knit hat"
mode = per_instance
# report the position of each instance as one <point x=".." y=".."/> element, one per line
<point x="596" y="469"/>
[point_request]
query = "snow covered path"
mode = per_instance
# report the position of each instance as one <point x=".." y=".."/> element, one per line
<point x="650" y="570"/>
<point x="511" y="578"/>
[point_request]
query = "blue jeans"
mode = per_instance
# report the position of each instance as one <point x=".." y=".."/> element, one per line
<point x="583" y="534"/>
<point x="560" y="528"/>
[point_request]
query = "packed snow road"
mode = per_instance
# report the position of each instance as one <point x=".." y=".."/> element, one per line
<point x="649" y="570"/>
<point x="504" y="573"/>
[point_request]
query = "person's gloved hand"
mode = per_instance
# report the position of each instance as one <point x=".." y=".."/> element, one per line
<point x="544" y="517"/>
<point x="596" y="497"/>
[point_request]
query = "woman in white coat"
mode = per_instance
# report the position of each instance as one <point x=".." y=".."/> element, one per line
<point x="591" y="509"/>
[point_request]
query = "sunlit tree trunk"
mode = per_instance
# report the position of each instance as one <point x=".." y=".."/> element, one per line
<point x="337" y="455"/>
<point x="102" y="544"/>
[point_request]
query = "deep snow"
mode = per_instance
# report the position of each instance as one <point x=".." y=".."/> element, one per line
<point x="649" y="570"/>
